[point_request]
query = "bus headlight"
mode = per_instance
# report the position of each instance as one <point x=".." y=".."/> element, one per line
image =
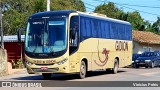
<point x="62" y="61"/>
<point x="29" y="63"/>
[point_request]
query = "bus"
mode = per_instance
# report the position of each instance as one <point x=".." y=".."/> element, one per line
<point x="75" y="42"/>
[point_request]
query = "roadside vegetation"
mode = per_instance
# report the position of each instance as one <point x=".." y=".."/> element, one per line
<point x="16" y="12"/>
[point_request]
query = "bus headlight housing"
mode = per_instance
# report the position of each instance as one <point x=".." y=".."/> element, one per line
<point x="62" y="61"/>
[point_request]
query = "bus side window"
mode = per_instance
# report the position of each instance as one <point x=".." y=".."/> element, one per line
<point x="74" y="30"/>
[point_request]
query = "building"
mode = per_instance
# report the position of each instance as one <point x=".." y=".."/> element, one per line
<point x="145" y="41"/>
<point x="14" y="47"/>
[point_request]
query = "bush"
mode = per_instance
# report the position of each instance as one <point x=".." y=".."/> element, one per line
<point x="17" y="64"/>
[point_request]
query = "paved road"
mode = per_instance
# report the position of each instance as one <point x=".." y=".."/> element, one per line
<point x="124" y="74"/>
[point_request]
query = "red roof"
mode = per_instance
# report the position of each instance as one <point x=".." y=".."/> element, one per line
<point x="145" y="37"/>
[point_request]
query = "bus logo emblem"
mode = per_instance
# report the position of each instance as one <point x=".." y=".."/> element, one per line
<point x="103" y="62"/>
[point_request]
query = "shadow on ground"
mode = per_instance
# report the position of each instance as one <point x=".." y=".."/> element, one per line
<point x="62" y="77"/>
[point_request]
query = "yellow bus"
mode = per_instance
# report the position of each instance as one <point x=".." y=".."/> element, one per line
<point x="68" y="41"/>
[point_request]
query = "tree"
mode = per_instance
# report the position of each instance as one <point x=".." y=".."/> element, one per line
<point x="109" y="9"/>
<point x="68" y="5"/>
<point x="136" y="20"/>
<point x="113" y="12"/>
<point x="156" y="26"/>
<point x="148" y="26"/>
<point x="16" y="12"/>
<point x="39" y="5"/>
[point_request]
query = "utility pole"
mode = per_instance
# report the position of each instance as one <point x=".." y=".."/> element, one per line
<point x="48" y="5"/>
<point x="1" y="30"/>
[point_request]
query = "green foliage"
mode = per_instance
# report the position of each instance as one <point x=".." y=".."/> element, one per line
<point x="109" y="9"/>
<point x="148" y="26"/>
<point x="68" y="5"/>
<point x="136" y="20"/>
<point x="39" y="5"/>
<point x="138" y="23"/>
<point x="16" y="12"/>
<point x="17" y="64"/>
<point x="156" y="26"/>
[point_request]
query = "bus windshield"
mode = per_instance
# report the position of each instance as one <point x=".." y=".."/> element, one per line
<point x="46" y="35"/>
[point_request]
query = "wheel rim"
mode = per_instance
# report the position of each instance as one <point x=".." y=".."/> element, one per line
<point x="116" y="67"/>
<point x="83" y="70"/>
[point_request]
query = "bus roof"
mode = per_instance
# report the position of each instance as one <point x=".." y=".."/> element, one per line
<point x="101" y="16"/>
<point x="67" y="12"/>
<point x="51" y="13"/>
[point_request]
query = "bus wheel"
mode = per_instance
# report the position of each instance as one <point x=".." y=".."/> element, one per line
<point x="82" y="72"/>
<point x="115" y="68"/>
<point x="46" y="75"/>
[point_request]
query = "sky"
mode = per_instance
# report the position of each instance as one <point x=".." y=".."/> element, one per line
<point x="149" y="14"/>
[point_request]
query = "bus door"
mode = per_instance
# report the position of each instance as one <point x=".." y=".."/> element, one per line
<point x="74" y="43"/>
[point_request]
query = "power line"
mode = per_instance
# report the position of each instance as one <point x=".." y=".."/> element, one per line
<point x="128" y="7"/>
<point x="142" y="6"/>
<point x="139" y="10"/>
<point x="131" y="4"/>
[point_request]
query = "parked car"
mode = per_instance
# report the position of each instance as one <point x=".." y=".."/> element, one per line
<point x="134" y="57"/>
<point x="147" y="59"/>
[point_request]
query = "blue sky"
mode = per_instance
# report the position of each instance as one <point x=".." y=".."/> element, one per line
<point x="145" y="16"/>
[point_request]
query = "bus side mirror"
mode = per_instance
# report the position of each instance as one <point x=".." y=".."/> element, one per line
<point x="19" y="34"/>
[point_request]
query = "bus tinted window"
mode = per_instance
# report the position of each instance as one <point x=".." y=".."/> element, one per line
<point x="97" y="28"/>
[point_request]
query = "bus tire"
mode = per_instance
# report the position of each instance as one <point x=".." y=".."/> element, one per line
<point x="83" y="70"/>
<point x="116" y="65"/>
<point x="47" y="75"/>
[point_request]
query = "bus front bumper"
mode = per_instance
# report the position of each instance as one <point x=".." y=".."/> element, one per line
<point x="39" y="69"/>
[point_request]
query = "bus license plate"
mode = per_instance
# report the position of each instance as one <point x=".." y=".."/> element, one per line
<point x="44" y="68"/>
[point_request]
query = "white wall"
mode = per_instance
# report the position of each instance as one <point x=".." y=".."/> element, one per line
<point x="139" y="47"/>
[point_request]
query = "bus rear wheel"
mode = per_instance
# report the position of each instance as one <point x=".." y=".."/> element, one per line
<point x="115" y="68"/>
<point x="46" y="75"/>
<point x="82" y="73"/>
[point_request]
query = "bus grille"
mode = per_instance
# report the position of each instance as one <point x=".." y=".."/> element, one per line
<point x="47" y="70"/>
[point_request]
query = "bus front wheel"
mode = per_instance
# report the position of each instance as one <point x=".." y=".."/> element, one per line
<point x="83" y="70"/>
<point x="46" y="75"/>
<point x="115" y="68"/>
